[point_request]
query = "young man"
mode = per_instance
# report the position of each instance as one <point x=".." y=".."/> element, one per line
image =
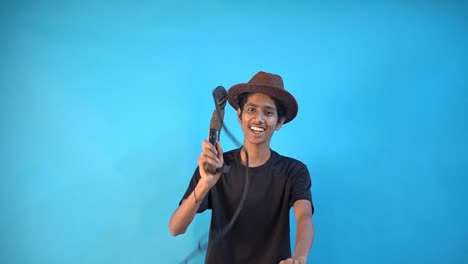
<point x="260" y="234"/>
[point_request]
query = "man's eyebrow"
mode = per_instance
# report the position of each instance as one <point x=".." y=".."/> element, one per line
<point x="264" y="107"/>
<point x="270" y="107"/>
<point x="250" y="104"/>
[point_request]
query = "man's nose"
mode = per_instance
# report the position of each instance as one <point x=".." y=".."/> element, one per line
<point x="259" y="115"/>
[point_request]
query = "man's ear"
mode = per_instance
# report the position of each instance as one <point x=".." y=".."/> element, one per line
<point x="238" y="115"/>
<point x="280" y="123"/>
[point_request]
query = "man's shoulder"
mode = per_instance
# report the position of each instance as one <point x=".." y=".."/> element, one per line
<point x="289" y="162"/>
<point x="287" y="159"/>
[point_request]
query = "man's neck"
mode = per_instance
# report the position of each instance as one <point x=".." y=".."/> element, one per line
<point x="258" y="154"/>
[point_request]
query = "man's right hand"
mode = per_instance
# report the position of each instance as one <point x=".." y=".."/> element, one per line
<point x="214" y="157"/>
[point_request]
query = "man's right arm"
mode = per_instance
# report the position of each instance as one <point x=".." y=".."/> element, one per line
<point x="185" y="213"/>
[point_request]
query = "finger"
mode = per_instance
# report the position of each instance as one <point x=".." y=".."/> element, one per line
<point x="210" y="156"/>
<point x="208" y="147"/>
<point x="205" y="170"/>
<point x="208" y="150"/>
<point x="220" y="150"/>
<point x="208" y="162"/>
<point x="209" y="159"/>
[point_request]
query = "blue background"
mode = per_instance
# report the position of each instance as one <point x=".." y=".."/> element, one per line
<point x="104" y="105"/>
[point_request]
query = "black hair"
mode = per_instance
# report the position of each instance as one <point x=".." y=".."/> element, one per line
<point x="280" y="109"/>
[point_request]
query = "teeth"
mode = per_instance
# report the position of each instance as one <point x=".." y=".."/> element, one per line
<point x="259" y="129"/>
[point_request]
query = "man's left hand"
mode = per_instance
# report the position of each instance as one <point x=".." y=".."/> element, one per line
<point x="294" y="260"/>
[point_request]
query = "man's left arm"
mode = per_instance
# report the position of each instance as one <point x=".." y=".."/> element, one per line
<point x="304" y="232"/>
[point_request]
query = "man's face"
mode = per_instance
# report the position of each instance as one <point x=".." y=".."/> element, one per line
<point x="259" y="119"/>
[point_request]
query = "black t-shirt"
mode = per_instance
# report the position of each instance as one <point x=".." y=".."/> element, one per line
<point x="261" y="232"/>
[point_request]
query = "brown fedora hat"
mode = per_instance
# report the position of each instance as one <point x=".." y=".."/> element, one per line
<point x="269" y="84"/>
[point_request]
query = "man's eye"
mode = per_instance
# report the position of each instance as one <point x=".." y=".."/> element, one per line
<point x="268" y="113"/>
<point x="251" y="109"/>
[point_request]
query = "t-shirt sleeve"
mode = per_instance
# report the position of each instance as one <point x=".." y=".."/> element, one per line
<point x="193" y="182"/>
<point x="301" y="185"/>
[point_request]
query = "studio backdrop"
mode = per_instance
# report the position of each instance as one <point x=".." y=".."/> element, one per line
<point x="104" y="106"/>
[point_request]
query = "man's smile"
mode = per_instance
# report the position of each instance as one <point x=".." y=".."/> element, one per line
<point x="256" y="129"/>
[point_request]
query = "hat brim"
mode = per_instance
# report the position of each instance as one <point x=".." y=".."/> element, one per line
<point x="281" y="95"/>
